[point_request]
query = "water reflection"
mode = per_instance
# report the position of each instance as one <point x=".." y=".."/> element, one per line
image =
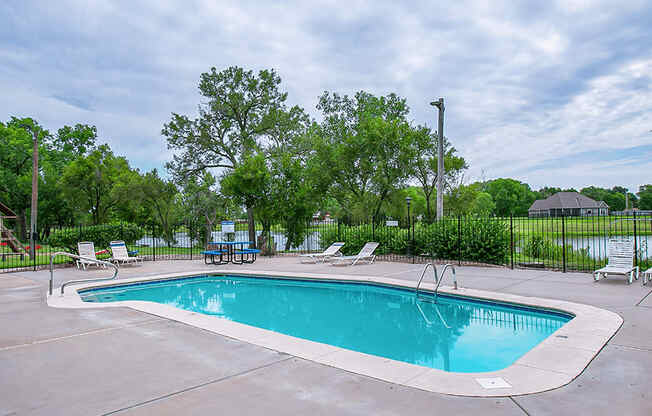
<point x="452" y="334"/>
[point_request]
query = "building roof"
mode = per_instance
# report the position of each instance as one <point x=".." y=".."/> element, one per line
<point x="566" y="200"/>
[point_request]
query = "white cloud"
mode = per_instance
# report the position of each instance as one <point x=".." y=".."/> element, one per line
<point x="526" y="85"/>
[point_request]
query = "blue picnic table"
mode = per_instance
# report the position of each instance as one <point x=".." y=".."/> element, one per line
<point x="230" y="252"/>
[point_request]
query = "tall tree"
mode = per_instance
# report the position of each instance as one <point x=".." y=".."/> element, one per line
<point x="297" y="191"/>
<point x="242" y="114"/>
<point x="67" y="145"/>
<point x="511" y="197"/>
<point x="203" y="204"/>
<point x="364" y="148"/>
<point x="425" y="170"/>
<point x="16" y="148"/>
<point x="250" y="185"/>
<point x="483" y="205"/>
<point x="645" y="197"/>
<point x="613" y="198"/>
<point x="155" y="198"/>
<point x="460" y="199"/>
<point x="90" y="181"/>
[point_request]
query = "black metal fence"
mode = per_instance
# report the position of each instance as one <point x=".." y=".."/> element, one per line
<point x="562" y="243"/>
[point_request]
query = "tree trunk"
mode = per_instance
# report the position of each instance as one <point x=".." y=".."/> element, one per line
<point x="252" y="225"/>
<point x="266" y="243"/>
<point x="288" y="225"/>
<point x="380" y="204"/>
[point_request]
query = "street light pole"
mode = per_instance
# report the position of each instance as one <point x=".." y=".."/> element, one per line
<point x="440" y="158"/>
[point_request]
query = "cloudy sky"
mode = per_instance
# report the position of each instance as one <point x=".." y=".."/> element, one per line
<point x="552" y="93"/>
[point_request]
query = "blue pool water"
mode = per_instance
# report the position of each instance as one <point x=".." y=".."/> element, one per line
<point x="453" y="334"/>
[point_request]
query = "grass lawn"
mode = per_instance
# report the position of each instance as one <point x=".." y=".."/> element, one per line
<point x="582" y="226"/>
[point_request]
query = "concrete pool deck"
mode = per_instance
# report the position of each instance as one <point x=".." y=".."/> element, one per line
<point x="118" y="360"/>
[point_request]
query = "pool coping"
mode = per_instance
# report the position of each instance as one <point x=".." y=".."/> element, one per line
<point x="553" y="363"/>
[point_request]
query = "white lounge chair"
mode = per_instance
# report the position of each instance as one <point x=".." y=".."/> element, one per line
<point x="621" y="258"/>
<point x="332" y="251"/>
<point x="121" y="255"/>
<point x="647" y="275"/>
<point x="87" y="249"/>
<point x="366" y="254"/>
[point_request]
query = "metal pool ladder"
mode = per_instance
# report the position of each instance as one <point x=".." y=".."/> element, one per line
<point x="72" y="282"/>
<point x="437" y="279"/>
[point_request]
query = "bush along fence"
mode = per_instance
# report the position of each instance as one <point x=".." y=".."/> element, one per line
<point x="561" y="243"/>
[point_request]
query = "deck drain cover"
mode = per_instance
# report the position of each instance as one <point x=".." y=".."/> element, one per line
<point x="493" y="383"/>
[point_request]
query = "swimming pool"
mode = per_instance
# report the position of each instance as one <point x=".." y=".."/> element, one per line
<point x="453" y="334"/>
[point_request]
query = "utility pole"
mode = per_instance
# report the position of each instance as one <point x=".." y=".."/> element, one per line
<point x="34" y="211"/>
<point x="33" y="236"/>
<point x="440" y="158"/>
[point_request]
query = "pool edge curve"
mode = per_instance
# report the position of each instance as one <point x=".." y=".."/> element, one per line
<point x="553" y="363"/>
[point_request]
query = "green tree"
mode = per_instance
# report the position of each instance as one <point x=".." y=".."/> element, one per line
<point x="297" y="194"/>
<point x="155" y="198"/>
<point x="425" y="169"/>
<point x="396" y="207"/>
<point x="645" y="197"/>
<point x="90" y="180"/>
<point x="76" y="141"/>
<point x="483" y="205"/>
<point x="250" y="184"/>
<point x="281" y="187"/>
<point x="364" y="148"/>
<point x="460" y="199"/>
<point x="242" y="114"/>
<point x="67" y="145"/>
<point x="510" y="196"/>
<point x="201" y="203"/>
<point x="613" y="198"/>
<point x="630" y="199"/>
<point x="16" y="147"/>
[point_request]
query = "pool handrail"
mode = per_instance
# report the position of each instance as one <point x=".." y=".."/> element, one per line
<point x="72" y="282"/>
<point x="423" y="273"/>
<point x="441" y="277"/>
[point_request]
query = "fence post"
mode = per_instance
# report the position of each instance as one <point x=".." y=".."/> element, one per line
<point x="459" y="240"/>
<point x="511" y="239"/>
<point x="33" y="249"/>
<point x="339" y="238"/>
<point x="563" y="242"/>
<point x="412" y="244"/>
<point x="153" y="243"/>
<point x="190" y="237"/>
<point x="408" y="239"/>
<point x="635" y="241"/>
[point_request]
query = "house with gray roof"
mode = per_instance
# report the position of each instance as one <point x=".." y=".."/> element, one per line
<point x="568" y="204"/>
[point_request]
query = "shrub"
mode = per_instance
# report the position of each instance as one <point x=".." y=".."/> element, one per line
<point x="480" y="240"/>
<point x="540" y="248"/>
<point x="472" y="239"/>
<point x="101" y="235"/>
<point x="391" y="239"/>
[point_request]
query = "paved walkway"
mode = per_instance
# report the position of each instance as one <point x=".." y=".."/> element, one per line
<point x="120" y="361"/>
